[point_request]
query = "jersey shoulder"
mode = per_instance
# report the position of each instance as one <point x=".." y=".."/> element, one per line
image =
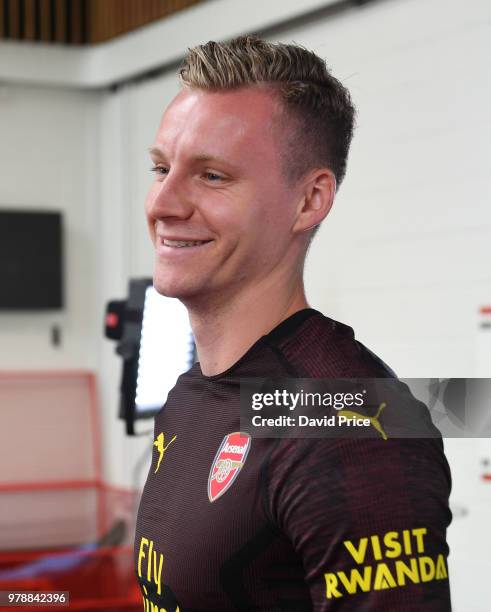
<point x="315" y="346"/>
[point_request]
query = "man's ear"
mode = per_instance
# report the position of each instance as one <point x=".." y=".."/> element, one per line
<point x="317" y="197"/>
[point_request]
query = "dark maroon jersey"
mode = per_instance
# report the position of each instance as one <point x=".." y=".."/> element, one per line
<point x="229" y="522"/>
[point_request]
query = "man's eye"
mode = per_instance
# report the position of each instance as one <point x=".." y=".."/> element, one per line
<point x="211" y="176"/>
<point x="160" y="170"/>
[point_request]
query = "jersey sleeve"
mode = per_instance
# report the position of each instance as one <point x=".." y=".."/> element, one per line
<point x="368" y="518"/>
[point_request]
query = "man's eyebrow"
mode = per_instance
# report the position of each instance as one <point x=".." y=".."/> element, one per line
<point x="154" y="150"/>
<point x="203" y="157"/>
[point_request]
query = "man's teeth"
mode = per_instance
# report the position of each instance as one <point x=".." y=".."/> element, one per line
<point x="184" y="243"/>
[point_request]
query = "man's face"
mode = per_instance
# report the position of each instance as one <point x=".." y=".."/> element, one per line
<point x="219" y="181"/>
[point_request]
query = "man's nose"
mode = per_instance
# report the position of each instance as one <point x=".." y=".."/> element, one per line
<point x="172" y="199"/>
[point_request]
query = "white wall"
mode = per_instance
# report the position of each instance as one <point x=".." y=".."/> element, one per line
<point x="411" y="226"/>
<point x="48" y="159"/>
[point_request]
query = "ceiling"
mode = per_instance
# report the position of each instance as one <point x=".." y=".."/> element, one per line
<point x="80" y="22"/>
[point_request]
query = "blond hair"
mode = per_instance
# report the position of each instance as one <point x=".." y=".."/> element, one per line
<point x="317" y="107"/>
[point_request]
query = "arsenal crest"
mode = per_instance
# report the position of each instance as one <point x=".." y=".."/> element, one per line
<point x="228" y="462"/>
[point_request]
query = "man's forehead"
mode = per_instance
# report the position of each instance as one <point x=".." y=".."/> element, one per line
<point x="232" y="125"/>
<point x="249" y="108"/>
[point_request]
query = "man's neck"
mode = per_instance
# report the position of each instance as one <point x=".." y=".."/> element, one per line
<point x="225" y="332"/>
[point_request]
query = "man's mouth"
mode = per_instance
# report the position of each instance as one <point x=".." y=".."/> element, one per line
<point x="180" y="244"/>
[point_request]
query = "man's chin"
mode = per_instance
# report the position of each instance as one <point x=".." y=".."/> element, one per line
<point x="168" y="290"/>
<point x="173" y="289"/>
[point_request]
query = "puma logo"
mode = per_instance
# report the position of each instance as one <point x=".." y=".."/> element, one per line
<point x="374" y="420"/>
<point x="159" y="443"/>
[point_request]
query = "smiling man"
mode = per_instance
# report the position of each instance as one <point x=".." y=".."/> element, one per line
<point x="247" y="160"/>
